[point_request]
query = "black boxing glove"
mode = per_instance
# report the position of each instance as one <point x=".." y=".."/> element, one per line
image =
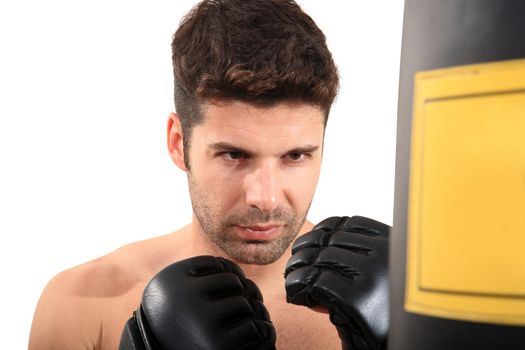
<point x="342" y="265"/>
<point x="200" y="303"/>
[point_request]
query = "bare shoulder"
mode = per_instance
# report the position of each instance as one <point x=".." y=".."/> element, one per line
<point x="74" y="305"/>
<point x="68" y="312"/>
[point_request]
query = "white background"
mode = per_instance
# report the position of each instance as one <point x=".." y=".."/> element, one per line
<point x="85" y="91"/>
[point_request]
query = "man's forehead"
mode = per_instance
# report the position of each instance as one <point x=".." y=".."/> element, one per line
<point x="237" y="113"/>
<point x="274" y="129"/>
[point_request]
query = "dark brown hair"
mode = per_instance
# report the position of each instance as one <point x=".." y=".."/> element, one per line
<point x="258" y="51"/>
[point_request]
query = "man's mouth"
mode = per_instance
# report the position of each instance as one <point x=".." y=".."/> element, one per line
<point x="259" y="232"/>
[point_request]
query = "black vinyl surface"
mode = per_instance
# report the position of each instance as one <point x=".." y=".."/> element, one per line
<point x="440" y="34"/>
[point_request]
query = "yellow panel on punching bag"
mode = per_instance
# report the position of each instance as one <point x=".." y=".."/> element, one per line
<point x="466" y="214"/>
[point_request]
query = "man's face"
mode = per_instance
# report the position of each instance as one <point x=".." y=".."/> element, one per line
<point x="253" y="176"/>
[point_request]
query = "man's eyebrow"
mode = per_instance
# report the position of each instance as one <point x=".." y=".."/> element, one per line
<point x="221" y="146"/>
<point x="304" y="149"/>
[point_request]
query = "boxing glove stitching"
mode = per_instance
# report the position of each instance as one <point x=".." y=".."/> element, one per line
<point x="144" y="329"/>
<point x="330" y="231"/>
<point x="354" y="248"/>
<point x="339" y="270"/>
<point x="363" y="230"/>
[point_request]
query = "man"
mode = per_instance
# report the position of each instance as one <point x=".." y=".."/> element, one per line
<point x="254" y="82"/>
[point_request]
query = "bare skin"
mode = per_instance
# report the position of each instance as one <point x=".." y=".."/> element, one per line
<point x="246" y="159"/>
<point x="104" y="293"/>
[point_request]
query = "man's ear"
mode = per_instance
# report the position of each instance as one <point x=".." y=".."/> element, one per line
<point x="175" y="138"/>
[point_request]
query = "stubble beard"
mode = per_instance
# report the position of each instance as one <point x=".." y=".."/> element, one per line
<point x="220" y="228"/>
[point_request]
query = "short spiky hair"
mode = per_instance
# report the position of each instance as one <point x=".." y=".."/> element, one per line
<point x="258" y="51"/>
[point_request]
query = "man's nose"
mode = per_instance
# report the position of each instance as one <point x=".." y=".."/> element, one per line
<point x="263" y="187"/>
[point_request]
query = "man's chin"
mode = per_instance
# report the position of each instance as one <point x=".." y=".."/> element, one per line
<point x="255" y="253"/>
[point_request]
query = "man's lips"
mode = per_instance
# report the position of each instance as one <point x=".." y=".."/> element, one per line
<point x="259" y="232"/>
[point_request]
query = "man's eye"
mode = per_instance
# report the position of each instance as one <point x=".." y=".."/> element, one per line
<point x="234" y="155"/>
<point x="296" y="156"/>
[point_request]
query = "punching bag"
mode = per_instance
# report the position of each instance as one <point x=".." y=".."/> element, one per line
<point x="458" y="243"/>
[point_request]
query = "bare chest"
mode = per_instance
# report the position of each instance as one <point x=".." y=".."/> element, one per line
<point x="297" y="327"/>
